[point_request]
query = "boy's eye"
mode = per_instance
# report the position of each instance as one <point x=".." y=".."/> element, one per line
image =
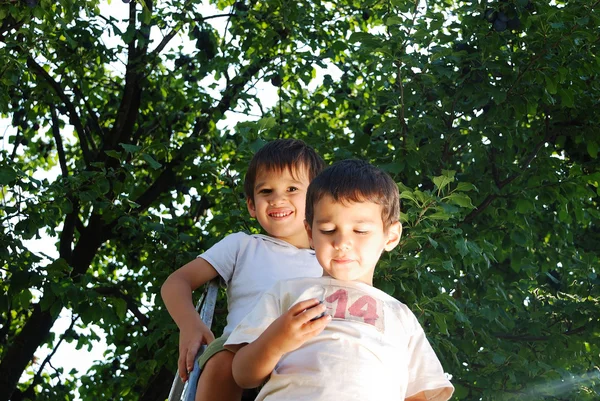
<point x="326" y="232"/>
<point x="264" y="191"/>
<point x="292" y="189"/>
<point x="361" y="232"/>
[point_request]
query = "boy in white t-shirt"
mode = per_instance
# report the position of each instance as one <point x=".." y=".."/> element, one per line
<point x="367" y="345"/>
<point x="275" y="187"/>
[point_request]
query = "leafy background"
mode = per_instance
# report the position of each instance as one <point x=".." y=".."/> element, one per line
<point x="485" y="112"/>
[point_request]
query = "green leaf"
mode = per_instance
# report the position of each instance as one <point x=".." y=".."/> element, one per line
<point x="440" y="321"/>
<point x="499" y="97"/>
<point x="129" y="34"/>
<point x="551" y="84"/>
<point x="438" y="215"/>
<point x="567" y="97"/>
<point x="388" y="287"/>
<point x="130" y="148"/>
<point x="394" y="20"/>
<point x="113" y="154"/>
<point x="266" y="123"/>
<point x="120" y="307"/>
<point x="518" y="238"/>
<point x="524" y="206"/>
<point x="444" y="180"/>
<point x="394" y="168"/>
<point x="432" y="242"/>
<point x="465" y="187"/>
<point x="7" y="175"/>
<point x="257" y="144"/>
<point x="146" y="16"/>
<point x="461" y="245"/>
<point x="366" y="39"/>
<point x="409" y="195"/>
<point x="592" y="148"/>
<point x="150" y="160"/>
<point x="133" y="204"/>
<point x="498" y="359"/>
<point x="460" y="200"/>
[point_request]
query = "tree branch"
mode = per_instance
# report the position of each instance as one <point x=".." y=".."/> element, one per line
<point x="132" y="93"/>
<point x="29" y="393"/>
<point x="17" y="143"/>
<point x="8" y="24"/>
<point x="517" y="337"/>
<point x="167" y="179"/>
<point x="59" y="144"/>
<point x="92" y="114"/>
<point x="131" y="304"/>
<point x="490" y="198"/>
<point x="66" y="236"/>
<point x="38" y="375"/>
<point x="163" y="43"/>
<point x="73" y="117"/>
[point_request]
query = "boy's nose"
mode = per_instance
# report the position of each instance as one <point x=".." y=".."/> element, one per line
<point x="342" y="243"/>
<point x="276" y="198"/>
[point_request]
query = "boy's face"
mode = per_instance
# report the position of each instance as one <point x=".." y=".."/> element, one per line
<point x="279" y="203"/>
<point x="349" y="238"/>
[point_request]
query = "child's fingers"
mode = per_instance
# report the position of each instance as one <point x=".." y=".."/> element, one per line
<point x="209" y="337"/>
<point x="189" y="358"/>
<point x="316" y="326"/>
<point x="301" y="306"/>
<point x="312" y="313"/>
<point x="182" y="368"/>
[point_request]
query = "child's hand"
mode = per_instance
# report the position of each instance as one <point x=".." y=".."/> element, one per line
<point x="191" y="338"/>
<point x="295" y="327"/>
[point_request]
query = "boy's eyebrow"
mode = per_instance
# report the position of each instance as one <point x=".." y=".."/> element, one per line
<point x="357" y="221"/>
<point x="262" y="184"/>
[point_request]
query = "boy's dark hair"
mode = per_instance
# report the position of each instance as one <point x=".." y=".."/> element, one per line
<point x="279" y="155"/>
<point x="355" y="181"/>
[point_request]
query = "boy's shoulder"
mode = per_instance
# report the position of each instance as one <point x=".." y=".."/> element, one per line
<point x="243" y="236"/>
<point x="242" y="242"/>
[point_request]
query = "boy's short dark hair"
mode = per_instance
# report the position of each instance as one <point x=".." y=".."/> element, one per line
<point x="279" y="155"/>
<point x="355" y="181"/>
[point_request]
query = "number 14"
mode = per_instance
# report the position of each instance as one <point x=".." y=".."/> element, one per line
<point x="365" y="307"/>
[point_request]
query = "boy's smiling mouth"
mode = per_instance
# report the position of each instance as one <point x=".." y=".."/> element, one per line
<point x="280" y="214"/>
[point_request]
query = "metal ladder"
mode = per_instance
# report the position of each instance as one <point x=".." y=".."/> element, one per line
<point x="206" y="307"/>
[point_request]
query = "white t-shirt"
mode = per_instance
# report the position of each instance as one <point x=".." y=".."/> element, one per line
<point x="373" y="349"/>
<point x="251" y="264"/>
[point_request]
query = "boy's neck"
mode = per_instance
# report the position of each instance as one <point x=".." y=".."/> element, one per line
<point x="300" y="242"/>
<point x="368" y="280"/>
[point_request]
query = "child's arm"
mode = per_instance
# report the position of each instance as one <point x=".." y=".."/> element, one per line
<point x="254" y="362"/>
<point x="417" y="397"/>
<point x="176" y="292"/>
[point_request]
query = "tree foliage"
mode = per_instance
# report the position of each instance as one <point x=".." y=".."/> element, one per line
<point x="485" y="112"/>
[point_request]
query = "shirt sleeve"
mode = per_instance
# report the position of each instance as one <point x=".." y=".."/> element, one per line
<point x="425" y="372"/>
<point x="223" y="255"/>
<point x="254" y="324"/>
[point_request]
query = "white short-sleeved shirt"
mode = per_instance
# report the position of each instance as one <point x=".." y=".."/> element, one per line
<point x="251" y="264"/>
<point x="373" y="349"/>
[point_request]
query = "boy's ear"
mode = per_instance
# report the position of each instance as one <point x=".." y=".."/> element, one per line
<point x="309" y="232"/>
<point x="251" y="207"/>
<point x="393" y="234"/>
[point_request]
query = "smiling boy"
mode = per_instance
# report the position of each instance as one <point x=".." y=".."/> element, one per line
<point x="368" y="345"/>
<point x="275" y="187"/>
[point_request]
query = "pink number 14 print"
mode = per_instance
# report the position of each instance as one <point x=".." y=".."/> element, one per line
<point x="365" y="307"/>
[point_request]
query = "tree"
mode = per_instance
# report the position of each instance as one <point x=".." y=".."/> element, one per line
<point x="486" y="114"/>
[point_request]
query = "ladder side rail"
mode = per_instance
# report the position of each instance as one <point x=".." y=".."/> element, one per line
<point x="205" y="306"/>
